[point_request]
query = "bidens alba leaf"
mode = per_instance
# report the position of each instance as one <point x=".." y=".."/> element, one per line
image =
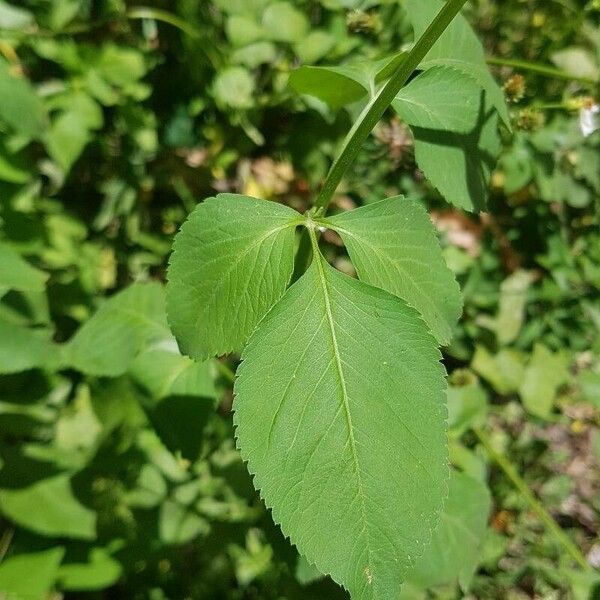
<point x="340" y="413"/>
<point x="232" y="260"/>
<point x="393" y="245"/>
<point x="441" y="98"/>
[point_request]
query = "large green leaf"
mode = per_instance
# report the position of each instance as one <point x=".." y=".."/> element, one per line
<point x="50" y="508"/>
<point x="232" y="260"/>
<point x="393" y="245"/>
<point x="441" y="98"/>
<point x="454" y="125"/>
<point x="109" y="341"/>
<point x="340" y="413"/>
<point x="454" y="551"/>
<point x="30" y="576"/>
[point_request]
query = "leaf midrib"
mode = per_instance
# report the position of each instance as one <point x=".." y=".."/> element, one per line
<point x="340" y="372"/>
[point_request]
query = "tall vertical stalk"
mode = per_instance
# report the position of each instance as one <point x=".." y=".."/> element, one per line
<point x="379" y="104"/>
<point x="533" y="502"/>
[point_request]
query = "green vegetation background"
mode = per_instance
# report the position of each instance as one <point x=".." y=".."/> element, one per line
<point x="119" y="477"/>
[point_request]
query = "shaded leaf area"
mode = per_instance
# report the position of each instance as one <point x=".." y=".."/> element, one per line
<point x="160" y="391"/>
<point x="468" y="159"/>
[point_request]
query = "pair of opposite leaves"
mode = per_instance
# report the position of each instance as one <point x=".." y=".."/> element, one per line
<point x="340" y="397"/>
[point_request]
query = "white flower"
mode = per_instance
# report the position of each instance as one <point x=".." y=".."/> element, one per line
<point x="588" y="119"/>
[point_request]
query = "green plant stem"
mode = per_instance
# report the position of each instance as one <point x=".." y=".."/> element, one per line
<point x="551" y="106"/>
<point x="533" y="502"/>
<point x="156" y="14"/>
<point x="5" y="541"/>
<point x="540" y="69"/>
<point x="379" y="104"/>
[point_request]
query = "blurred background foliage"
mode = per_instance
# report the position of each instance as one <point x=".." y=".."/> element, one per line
<point x="119" y="475"/>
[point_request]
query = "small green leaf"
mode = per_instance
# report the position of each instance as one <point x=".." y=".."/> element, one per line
<point x="109" y="341"/>
<point x="342" y="85"/>
<point x="17" y="274"/>
<point x="14" y="168"/>
<point x="544" y="374"/>
<point x="511" y="310"/>
<point x="393" y="245"/>
<point x="577" y="61"/>
<point x="254" y="55"/>
<point x="30" y="576"/>
<point x="23" y="348"/>
<point x="20" y="106"/>
<point x="232" y="260"/>
<point x="454" y="552"/>
<point x="12" y="17"/>
<point x="332" y="85"/>
<point x="589" y="383"/>
<point x="441" y="98"/>
<point x="284" y="23"/>
<point x="241" y="7"/>
<point x="314" y="46"/>
<point x="504" y="371"/>
<point x="234" y="87"/>
<point x="101" y="570"/>
<point x="49" y="508"/>
<point x="242" y="30"/>
<point x="178" y="524"/>
<point x="340" y="413"/>
<point x="162" y="371"/>
<point x="467" y="402"/>
<point x="67" y="137"/>
<point x="453" y="110"/>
